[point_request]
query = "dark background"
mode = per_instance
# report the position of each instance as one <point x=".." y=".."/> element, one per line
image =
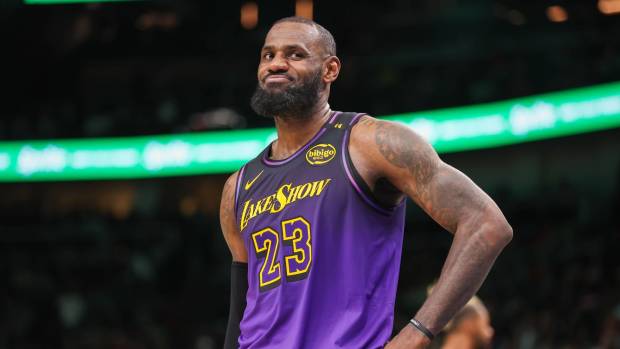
<point x="142" y="264"/>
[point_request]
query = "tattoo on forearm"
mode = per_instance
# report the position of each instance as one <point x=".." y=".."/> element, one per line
<point x="452" y="200"/>
<point x="466" y="267"/>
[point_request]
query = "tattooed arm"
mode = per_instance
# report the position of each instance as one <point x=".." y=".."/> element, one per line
<point x="386" y="152"/>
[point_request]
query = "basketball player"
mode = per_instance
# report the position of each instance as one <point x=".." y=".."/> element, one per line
<point x="470" y="328"/>
<point x="315" y="222"/>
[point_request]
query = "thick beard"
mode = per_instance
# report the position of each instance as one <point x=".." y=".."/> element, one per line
<point x="294" y="102"/>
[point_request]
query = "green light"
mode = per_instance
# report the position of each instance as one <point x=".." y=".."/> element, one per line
<point x="449" y="130"/>
<point x="519" y="120"/>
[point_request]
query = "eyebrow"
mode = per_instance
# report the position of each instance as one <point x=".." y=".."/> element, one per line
<point x="286" y="47"/>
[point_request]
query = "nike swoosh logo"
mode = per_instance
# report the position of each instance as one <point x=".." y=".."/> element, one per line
<point x="249" y="183"/>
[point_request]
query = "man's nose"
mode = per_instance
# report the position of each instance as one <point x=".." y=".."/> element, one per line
<point x="278" y="64"/>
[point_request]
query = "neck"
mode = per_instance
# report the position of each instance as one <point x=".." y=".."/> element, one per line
<point x="295" y="133"/>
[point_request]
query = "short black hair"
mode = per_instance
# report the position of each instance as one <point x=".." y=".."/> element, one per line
<point x="327" y="39"/>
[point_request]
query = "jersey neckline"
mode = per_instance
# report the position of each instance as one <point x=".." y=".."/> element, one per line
<point x="268" y="162"/>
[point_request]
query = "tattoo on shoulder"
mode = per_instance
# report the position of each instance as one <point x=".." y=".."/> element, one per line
<point x="398" y="146"/>
<point x="446" y="200"/>
<point x="367" y="120"/>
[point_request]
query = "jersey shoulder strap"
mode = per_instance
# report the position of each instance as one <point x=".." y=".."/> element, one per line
<point x="337" y="127"/>
<point x="343" y="120"/>
<point x="247" y="175"/>
<point x="348" y="120"/>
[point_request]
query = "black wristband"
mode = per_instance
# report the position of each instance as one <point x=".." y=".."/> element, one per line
<point x="422" y="328"/>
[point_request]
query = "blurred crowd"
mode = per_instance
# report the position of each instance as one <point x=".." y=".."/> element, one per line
<point x="160" y="67"/>
<point x="87" y="280"/>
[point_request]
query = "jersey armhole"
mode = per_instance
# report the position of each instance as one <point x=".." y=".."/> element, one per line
<point x="355" y="178"/>
<point x="237" y="186"/>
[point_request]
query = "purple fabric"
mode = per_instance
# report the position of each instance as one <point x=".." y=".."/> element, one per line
<point x="267" y="161"/>
<point x="334" y="116"/>
<point x="280" y="162"/>
<point x="355" y="118"/>
<point x="239" y="179"/>
<point x="368" y="200"/>
<point x="341" y="289"/>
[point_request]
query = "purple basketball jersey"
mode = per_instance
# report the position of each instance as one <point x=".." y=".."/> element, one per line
<point x="323" y="255"/>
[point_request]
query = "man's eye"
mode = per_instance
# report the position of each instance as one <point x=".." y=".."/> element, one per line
<point x="297" y="55"/>
<point x="267" y="55"/>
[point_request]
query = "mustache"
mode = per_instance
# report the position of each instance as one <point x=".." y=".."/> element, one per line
<point x="278" y="74"/>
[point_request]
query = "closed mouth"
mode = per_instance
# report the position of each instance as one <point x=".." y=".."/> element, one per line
<point x="277" y="78"/>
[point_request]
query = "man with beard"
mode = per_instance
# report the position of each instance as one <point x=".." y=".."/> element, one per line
<point x="315" y="222"/>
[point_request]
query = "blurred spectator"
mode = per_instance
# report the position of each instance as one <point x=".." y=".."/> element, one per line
<point x="610" y="337"/>
<point x="470" y="328"/>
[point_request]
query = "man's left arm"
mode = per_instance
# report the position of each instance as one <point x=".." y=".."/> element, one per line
<point x="408" y="162"/>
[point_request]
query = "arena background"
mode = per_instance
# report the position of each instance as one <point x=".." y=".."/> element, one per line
<point x="140" y="262"/>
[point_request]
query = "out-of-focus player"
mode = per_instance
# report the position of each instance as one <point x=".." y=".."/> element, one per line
<point x="470" y="328"/>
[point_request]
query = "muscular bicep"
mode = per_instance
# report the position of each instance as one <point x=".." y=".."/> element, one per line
<point x="228" y="223"/>
<point x="451" y="198"/>
<point x="410" y="163"/>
